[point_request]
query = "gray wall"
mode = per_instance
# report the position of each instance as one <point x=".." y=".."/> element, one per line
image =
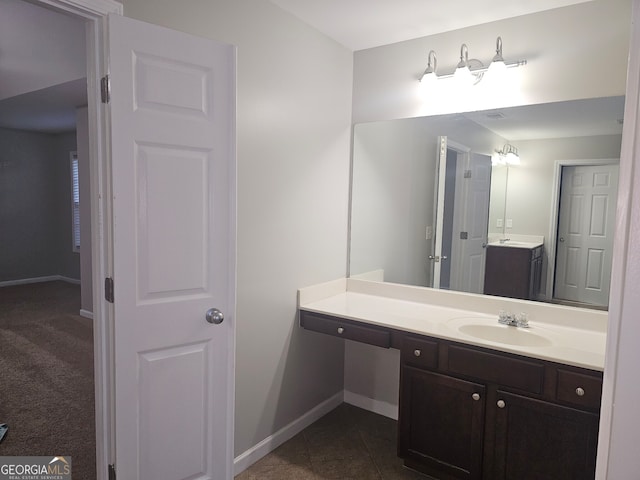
<point x="35" y="206"/>
<point x="293" y="136"/>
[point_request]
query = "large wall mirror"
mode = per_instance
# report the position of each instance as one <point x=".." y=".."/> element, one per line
<point x="433" y="205"/>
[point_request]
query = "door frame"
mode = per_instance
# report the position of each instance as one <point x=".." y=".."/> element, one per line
<point x="444" y="144"/>
<point x="94" y="13"/>
<point x="555" y="212"/>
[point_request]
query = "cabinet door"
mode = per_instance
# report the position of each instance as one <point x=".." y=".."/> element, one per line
<point x="507" y="272"/>
<point x="539" y="440"/>
<point x="441" y="424"/>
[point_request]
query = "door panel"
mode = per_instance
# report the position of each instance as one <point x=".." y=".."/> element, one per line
<point x="585" y="233"/>
<point x="173" y="163"/>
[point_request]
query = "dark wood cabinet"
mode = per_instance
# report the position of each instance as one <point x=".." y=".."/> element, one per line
<point x="513" y="272"/>
<point x="482" y="414"/>
<point x="472" y="413"/>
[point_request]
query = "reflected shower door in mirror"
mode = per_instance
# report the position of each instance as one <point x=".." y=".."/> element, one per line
<point x="409" y="206"/>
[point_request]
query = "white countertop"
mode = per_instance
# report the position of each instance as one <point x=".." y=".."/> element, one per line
<point x="516" y="241"/>
<point x="576" y="337"/>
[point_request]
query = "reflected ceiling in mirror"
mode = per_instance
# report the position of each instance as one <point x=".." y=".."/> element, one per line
<point x="410" y="205"/>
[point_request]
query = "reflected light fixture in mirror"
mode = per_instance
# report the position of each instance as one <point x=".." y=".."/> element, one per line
<point x="508" y="155"/>
<point x="465" y="73"/>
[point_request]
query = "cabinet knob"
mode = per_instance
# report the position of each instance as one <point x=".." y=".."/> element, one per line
<point x="340" y="330"/>
<point x="417" y="352"/>
<point x="476" y="396"/>
<point x="501" y="404"/>
<point x="580" y="391"/>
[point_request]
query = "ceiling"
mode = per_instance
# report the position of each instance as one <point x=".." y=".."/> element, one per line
<point x="42" y="68"/>
<point x="361" y="24"/>
<point x="356" y="24"/>
<point x="48" y="110"/>
<point x="576" y="118"/>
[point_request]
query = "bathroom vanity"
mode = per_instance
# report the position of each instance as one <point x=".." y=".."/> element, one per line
<point x="478" y="400"/>
<point x="513" y="269"/>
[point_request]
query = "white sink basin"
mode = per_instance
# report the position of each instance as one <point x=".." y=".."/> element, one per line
<point x="505" y="334"/>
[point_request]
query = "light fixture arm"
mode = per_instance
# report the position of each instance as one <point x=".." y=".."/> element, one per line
<point x="464" y="56"/>
<point x="498" y="56"/>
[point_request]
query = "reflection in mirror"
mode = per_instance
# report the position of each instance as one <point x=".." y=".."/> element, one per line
<point x="428" y="208"/>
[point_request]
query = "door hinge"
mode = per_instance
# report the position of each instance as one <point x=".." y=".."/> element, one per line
<point x="112" y="472"/>
<point x="108" y="289"/>
<point x="464" y="235"/>
<point x="105" y="89"/>
<point x="467" y="174"/>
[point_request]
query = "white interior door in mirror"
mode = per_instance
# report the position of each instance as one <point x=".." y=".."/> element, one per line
<point x="464" y="184"/>
<point x="471" y="224"/>
<point x="173" y="163"/>
<point x="585" y="233"/>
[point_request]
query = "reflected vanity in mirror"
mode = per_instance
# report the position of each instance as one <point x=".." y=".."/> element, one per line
<point x="434" y="205"/>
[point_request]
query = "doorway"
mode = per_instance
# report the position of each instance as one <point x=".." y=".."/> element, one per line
<point x="47" y="355"/>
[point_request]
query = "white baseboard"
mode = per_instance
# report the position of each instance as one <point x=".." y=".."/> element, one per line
<point x="86" y="314"/>
<point x="49" y="278"/>
<point x="376" y="406"/>
<point x="269" y="444"/>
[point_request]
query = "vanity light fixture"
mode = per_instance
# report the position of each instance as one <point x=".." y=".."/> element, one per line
<point x="470" y="69"/>
<point x="508" y="155"/>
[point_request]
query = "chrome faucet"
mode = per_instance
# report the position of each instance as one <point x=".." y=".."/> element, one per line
<point x="513" y="319"/>
<point x="504" y="240"/>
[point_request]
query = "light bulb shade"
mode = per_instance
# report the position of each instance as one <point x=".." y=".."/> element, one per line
<point x="498" y="66"/>
<point x="428" y="77"/>
<point x="429" y="74"/>
<point x="512" y="158"/>
<point x="463" y="75"/>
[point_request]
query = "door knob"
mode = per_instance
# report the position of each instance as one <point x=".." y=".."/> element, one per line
<point x="562" y="239"/>
<point x="214" y="316"/>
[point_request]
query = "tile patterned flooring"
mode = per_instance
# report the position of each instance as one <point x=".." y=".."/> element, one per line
<point x="346" y="444"/>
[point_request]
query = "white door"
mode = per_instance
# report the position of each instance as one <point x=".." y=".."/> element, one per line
<point x="173" y="162"/>
<point x="585" y="233"/>
<point x="471" y="218"/>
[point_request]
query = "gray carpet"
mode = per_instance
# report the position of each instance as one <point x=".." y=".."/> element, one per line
<point x="46" y="375"/>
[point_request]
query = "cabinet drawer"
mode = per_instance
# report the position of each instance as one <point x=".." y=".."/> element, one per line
<point x="503" y="370"/>
<point x="579" y="389"/>
<point x="346" y="329"/>
<point x="420" y="352"/>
